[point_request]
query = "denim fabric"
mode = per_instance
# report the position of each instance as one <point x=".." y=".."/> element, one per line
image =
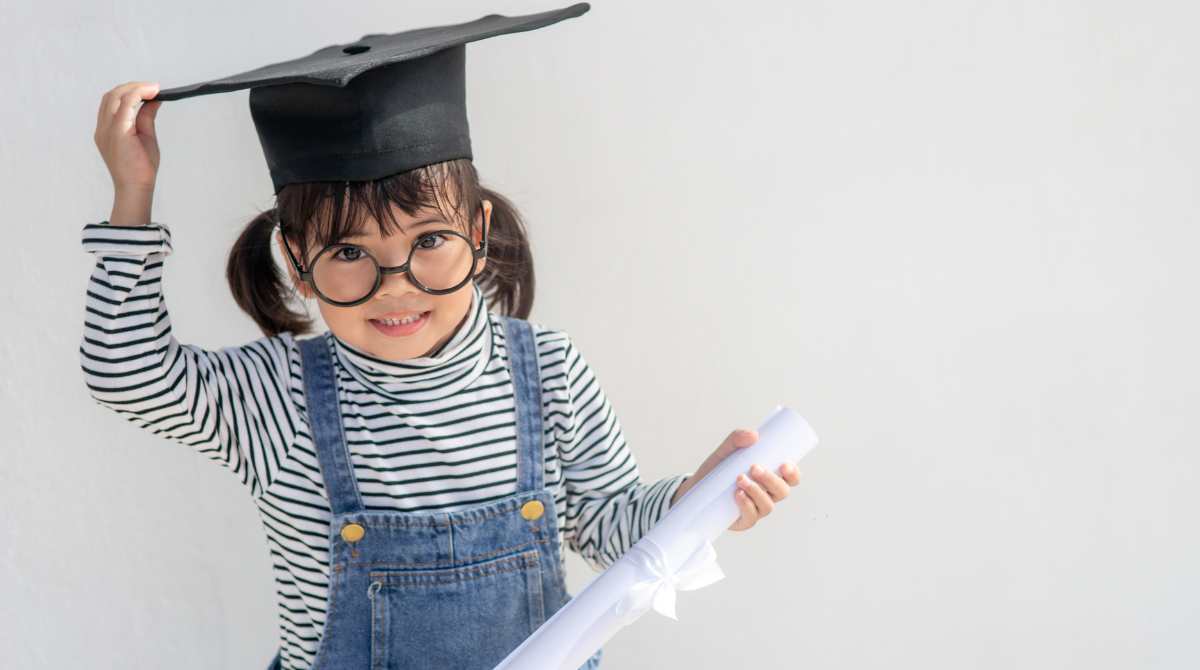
<point x="431" y="590"/>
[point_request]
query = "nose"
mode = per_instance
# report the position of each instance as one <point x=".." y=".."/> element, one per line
<point x="396" y="283"/>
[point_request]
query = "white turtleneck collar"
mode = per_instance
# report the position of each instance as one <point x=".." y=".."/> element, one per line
<point x="451" y="368"/>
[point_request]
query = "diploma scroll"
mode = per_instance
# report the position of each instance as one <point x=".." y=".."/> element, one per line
<point x="675" y="555"/>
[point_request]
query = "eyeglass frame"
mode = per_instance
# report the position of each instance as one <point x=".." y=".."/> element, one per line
<point x="383" y="270"/>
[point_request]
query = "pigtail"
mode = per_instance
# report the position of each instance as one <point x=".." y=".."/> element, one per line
<point x="257" y="283"/>
<point x="508" y="278"/>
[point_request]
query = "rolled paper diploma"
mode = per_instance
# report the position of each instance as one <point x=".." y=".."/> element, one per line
<point x="675" y="555"/>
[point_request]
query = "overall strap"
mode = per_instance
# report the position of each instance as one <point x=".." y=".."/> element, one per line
<point x="325" y="422"/>
<point x="525" y="371"/>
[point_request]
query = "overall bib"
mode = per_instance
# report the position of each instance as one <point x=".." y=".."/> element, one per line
<point x="436" y="590"/>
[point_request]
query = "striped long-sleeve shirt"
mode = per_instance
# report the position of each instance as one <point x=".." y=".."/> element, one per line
<point x="431" y="433"/>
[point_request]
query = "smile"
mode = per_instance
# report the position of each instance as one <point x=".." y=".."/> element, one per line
<point x="400" y="327"/>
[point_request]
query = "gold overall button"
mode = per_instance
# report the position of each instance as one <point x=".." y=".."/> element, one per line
<point x="352" y="532"/>
<point x="533" y="509"/>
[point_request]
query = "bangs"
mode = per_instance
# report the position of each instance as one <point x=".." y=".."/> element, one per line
<point x="321" y="213"/>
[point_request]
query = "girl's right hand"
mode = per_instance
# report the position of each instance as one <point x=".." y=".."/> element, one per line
<point x="125" y="135"/>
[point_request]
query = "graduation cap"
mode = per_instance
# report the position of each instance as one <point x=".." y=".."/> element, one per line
<point x="380" y="105"/>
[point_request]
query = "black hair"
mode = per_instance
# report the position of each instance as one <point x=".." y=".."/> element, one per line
<point x="318" y="213"/>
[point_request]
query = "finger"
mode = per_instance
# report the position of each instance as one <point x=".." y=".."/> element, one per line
<point x="738" y="439"/>
<point x="132" y="102"/>
<point x="145" y="119"/>
<point x="126" y="99"/>
<point x="749" y="513"/>
<point x="100" y="112"/>
<point x="128" y="112"/>
<point x="110" y="102"/>
<point x="762" y="501"/>
<point x="114" y="97"/>
<point x="790" y="474"/>
<point x="745" y="437"/>
<point x="772" y="483"/>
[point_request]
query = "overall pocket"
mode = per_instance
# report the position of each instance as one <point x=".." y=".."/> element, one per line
<point x="459" y="618"/>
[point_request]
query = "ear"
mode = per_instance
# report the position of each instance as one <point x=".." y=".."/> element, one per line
<point x="301" y="287"/>
<point x="477" y="232"/>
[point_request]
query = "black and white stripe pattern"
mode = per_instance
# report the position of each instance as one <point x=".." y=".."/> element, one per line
<point x="433" y="433"/>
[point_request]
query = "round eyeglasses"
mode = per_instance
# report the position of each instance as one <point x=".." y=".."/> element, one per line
<point x="440" y="262"/>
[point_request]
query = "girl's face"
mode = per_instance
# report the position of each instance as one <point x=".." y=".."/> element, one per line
<point x="362" y="326"/>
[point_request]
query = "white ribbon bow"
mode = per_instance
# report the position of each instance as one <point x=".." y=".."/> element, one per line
<point x="658" y="589"/>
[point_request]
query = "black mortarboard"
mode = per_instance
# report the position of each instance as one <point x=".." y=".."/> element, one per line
<point x="383" y="104"/>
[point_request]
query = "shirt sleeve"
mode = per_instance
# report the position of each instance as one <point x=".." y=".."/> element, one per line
<point x="232" y="405"/>
<point x="609" y="507"/>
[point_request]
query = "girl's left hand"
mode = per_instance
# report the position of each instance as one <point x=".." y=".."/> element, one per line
<point x="755" y="495"/>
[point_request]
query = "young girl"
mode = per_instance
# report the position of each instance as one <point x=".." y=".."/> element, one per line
<point x="418" y="467"/>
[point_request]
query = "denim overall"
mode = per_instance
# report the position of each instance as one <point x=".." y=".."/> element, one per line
<point x="452" y="590"/>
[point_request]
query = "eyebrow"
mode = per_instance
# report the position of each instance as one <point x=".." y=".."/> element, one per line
<point x="417" y="224"/>
<point x="425" y="222"/>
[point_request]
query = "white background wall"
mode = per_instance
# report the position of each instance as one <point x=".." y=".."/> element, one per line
<point x="959" y="237"/>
